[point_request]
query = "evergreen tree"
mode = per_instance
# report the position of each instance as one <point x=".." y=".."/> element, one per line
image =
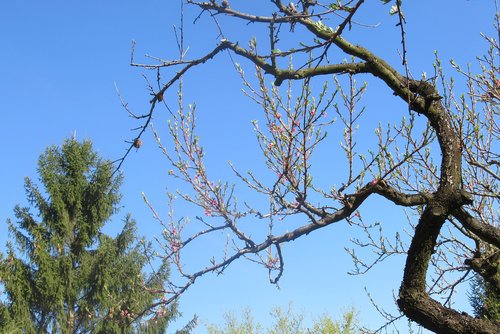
<point x="67" y="276"/>
<point x="484" y="294"/>
<point x="485" y="299"/>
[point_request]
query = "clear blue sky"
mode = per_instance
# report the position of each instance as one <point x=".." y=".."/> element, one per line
<point x="58" y="66"/>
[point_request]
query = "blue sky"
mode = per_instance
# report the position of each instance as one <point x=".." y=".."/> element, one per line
<point x="59" y="64"/>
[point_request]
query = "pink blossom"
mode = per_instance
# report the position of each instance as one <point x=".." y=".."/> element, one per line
<point x="271" y="262"/>
<point x="174" y="246"/>
<point x="275" y="128"/>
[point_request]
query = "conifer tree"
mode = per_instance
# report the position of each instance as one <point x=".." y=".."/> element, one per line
<point x="484" y="294"/>
<point x="60" y="273"/>
<point x="485" y="299"/>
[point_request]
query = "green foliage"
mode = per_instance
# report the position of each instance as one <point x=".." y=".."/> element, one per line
<point x="189" y="327"/>
<point x="484" y="299"/>
<point x="325" y="325"/>
<point x="285" y="322"/>
<point x="234" y="326"/>
<point x="61" y="274"/>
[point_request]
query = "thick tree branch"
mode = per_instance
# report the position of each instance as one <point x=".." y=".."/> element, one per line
<point x="487" y="233"/>
<point x="400" y="198"/>
<point x="414" y="301"/>
<point x="425" y="104"/>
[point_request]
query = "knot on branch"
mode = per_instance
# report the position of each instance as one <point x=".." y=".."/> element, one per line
<point x="424" y="89"/>
<point x="438" y="211"/>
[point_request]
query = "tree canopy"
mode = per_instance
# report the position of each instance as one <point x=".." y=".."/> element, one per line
<point x="285" y="322"/>
<point x="61" y="274"/>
